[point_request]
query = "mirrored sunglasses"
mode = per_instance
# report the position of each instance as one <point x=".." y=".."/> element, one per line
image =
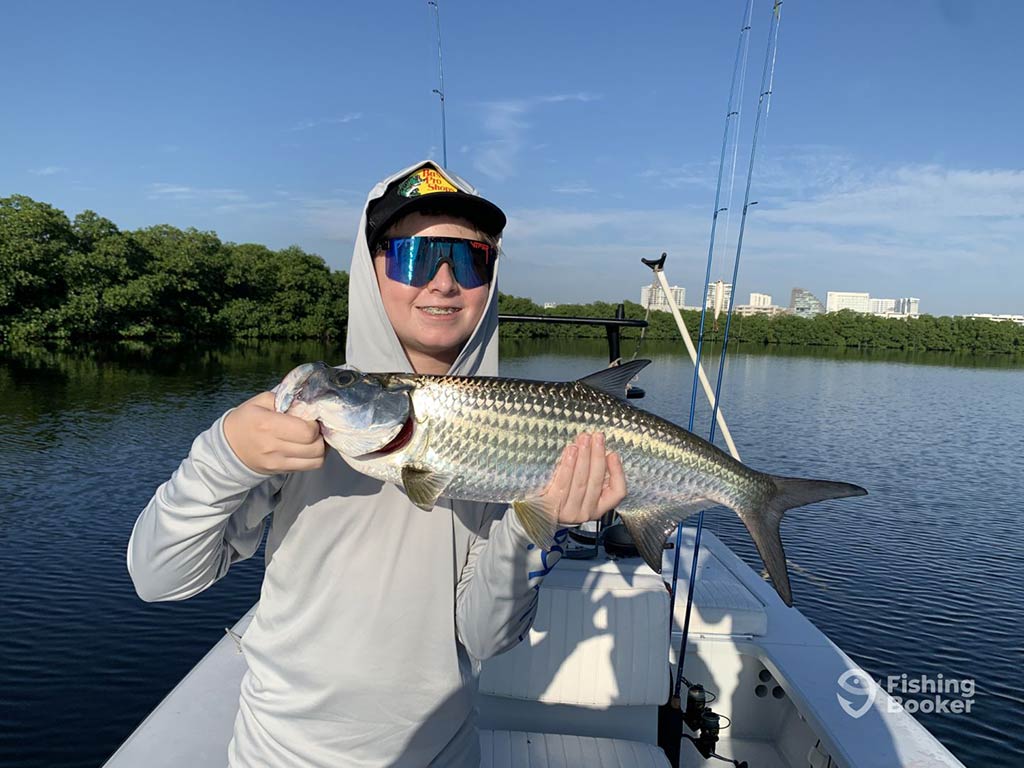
<point x="415" y="260"/>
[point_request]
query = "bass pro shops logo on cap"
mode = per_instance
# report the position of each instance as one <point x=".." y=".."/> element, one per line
<point x="425" y="181"/>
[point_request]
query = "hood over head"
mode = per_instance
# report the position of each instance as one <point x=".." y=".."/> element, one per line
<point x="372" y="344"/>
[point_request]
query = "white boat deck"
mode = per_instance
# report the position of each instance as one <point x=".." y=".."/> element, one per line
<point x="593" y="668"/>
<point x="783" y="649"/>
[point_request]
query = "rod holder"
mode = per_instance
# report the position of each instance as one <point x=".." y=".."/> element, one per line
<point x="656" y="264"/>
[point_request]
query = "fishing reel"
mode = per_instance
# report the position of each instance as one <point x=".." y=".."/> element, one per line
<point x="706" y="723"/>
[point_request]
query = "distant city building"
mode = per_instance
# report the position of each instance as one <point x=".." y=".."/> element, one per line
<point x="550" y="304"/>
<point x="744" y="310"/>
<point x="805" y="304"/>
<point x="907" y="306"/>
<point x="718" y="296"/>
<point x="1018" y="319"/>
<point x="882" y="306"/>
<point x="654" y="297"/>
<point x="836" y="301"/>
<point x="760" y="304"/>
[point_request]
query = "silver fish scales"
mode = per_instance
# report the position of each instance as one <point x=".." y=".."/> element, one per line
<point x="501" y="437"/>
<point x="496" y="439"/>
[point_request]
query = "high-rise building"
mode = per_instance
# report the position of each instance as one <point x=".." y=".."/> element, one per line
<point x="882" y="306"/>
<point x="760" y="300"/>
<point x="718" y="295"/>
<point x="907" y="306"/>
<point x="836" y="301"/>
<point x="654" y="297"/>
<point x="805" y="304"/>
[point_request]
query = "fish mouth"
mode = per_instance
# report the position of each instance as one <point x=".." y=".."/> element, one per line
<point x="398" y="442"/>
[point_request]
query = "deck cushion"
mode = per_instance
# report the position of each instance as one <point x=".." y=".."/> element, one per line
<point x="600" y="638"/>
<point x="722" y="604"/>
<point x="518" y="749"/>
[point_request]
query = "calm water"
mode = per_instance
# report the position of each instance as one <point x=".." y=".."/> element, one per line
<point x="922" y="577"/>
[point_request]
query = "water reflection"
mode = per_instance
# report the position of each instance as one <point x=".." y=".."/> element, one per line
<point x="518" y="348"/>
<point x="57" y="375"/>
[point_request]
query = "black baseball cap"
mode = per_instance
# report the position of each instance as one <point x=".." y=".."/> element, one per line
<point x="426" y="188"/>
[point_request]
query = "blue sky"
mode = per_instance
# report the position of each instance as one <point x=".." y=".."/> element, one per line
<point x="891" y="160"/>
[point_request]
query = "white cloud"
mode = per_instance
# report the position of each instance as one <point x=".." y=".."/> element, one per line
<point x="305" y="125"/>
<point x="910" y="214"/>
<point x="573" y="188"/>
<point x="49" y="170"/>
<point x="587" y="228"/>
<point x="922" y="199"/>
<point x="676" y="177"/>
<point x="165" y="191"/>
<point x="951" y="236"/>
<point x="334" y="219"/>
<point x="507" y="124"/>
<point x="824" y="221"/>
<point x="580" y="96"/>
<point x="242" y="207"/>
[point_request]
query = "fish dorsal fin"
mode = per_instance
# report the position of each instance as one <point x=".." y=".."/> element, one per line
<point x="613" y="380"/>
<point x="424" y="487"/>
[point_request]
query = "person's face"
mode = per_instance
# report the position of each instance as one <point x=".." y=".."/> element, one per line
<point x="433" y="321"/>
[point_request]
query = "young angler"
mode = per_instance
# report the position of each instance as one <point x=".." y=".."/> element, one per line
<point x="374" y="615"/>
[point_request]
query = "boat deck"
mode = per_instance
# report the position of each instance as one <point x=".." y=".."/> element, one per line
<point x="775" y="675"/>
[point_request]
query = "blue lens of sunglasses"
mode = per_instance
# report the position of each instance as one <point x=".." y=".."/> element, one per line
<point x="415" y="260"/>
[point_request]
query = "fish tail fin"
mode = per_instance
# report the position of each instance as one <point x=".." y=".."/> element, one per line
<point x="763" y="521"/>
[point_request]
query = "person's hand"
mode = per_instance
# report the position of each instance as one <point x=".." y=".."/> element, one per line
<point x="587" y="481"/>
<point x="270" y="442"/>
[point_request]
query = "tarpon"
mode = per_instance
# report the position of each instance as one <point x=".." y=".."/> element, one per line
<point x="495" y="439"/>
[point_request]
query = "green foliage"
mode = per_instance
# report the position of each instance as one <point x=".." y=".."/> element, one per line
<point x="36" y="241"/>
<point x="86" y="279"/>
<point x="839" y="329"/>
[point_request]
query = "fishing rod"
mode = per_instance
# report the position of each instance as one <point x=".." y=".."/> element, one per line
<point x="767" y="80"/>
<point x="733" y="109"/>
<point x="440" y="85"/>
<point x="736" y="140"/>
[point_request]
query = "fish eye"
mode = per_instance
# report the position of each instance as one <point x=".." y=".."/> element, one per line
<point x="343" y="378"/>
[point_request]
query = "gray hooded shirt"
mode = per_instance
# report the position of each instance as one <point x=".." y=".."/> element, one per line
<point x="374" y="615"/>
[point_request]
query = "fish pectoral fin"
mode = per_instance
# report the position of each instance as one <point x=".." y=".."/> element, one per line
<point x="613" y="380"/>
<point x="539" y="517"/>
<point x="424" y="487"/>
<point x="650" y="527"/>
